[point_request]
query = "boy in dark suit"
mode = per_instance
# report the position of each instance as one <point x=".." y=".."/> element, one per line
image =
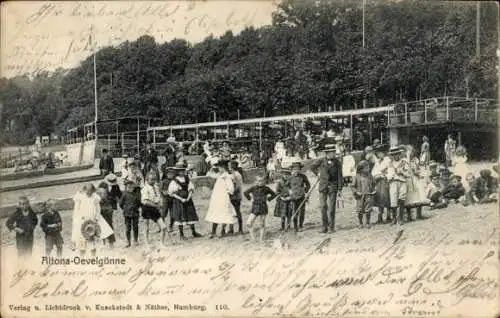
<point x="51" y="225"/>
<point x="130" y="204"/>
<point x="329" y="172"/>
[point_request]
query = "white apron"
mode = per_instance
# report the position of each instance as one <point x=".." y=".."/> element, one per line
<point x="220" y="209"/>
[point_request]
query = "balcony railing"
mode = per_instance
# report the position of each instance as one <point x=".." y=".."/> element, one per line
<point x="444" y="110"/>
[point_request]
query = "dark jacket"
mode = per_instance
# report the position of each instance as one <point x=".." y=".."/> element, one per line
<point x="330" y="174"/>
<point x="27" y="223"/>
<point x="107" y="163"/>
<point x="50" y="219"/>
<point x="130" y="204"/>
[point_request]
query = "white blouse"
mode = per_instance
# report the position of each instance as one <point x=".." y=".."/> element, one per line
<point x="150" y="193"/>
<point x="381" y="167"/>
<point x="173" y="187"/>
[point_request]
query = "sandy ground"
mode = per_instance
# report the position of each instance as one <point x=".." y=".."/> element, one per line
<point x="441" y="266"/>
<point x="454" y="218"/>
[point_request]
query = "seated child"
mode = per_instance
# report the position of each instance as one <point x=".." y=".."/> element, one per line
<point x="487" y="187"/>
<point x="470" y="196"/>
<point x="455" y="190"/>
<point x="51" y="225"/>
<point x="434" y="194"/>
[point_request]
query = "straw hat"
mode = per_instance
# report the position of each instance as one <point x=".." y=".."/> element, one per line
<point x="91" y="230"/>
<point x="110" y="178"/>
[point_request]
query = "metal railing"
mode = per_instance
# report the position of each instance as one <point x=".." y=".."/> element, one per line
<point x="444" y="109"/>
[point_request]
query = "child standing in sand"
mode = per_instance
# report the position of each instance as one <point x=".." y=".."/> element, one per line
<point x="261" y="194"/>
<point x="51" y="225"/>
<point x="23" y="222"/>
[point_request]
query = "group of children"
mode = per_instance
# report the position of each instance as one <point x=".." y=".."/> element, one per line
<point x="394" y="181"/>
<point x="24" y="221"/>
<point x="398" y="182"/>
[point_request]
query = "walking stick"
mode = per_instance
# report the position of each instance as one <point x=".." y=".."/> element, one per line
<point x="279" y="242"/>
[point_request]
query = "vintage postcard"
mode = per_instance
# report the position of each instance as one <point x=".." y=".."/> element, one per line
<point x="293" y="158"/>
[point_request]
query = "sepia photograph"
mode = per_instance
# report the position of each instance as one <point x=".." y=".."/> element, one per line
<point x="254" y="158"/>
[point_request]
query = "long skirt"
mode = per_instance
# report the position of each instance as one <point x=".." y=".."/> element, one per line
<point x="184" y="213"/>
<point x="381" y="198"/>
<point x="415" y="188"/>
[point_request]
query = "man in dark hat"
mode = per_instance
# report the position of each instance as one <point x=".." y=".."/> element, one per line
<point x="299" y="187"/>
<point x="106" y="164"/>
<point x="329" y="172"/>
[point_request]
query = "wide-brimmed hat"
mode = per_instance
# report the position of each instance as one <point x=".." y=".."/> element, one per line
<point x="376" y="141"/>
<point x="329" y="147"/>
<point x="297" y="164"/>
<point x="110" y="178"/>
<point x="91" y="230"/>
<point x="368" y="149"/>
<point x="125" y="156"/>
<point x="395" y="150"/>
<point x="339" y="138"/>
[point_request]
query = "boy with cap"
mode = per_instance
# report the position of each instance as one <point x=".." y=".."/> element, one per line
<point x="51" y="225"/>
<point x="299" y="187"/>
<point x="397" y="173"/>
<point x="363" y="189"/>
<point x="130" y="204"/>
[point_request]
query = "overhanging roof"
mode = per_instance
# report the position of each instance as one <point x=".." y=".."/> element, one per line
<point x="345" y="113"/>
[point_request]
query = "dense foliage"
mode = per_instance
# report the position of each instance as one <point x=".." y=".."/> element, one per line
<point x="310" y="59"/>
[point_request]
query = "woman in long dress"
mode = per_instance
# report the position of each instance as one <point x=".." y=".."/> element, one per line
<point x="220" y="209"/>
<point x="87" y="207"/>
<point x="449" y="150"/>
<point x="415" y="185"/>
<point x="425" y="154"/>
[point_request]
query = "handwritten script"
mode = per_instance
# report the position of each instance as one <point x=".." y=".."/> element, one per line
<point x="431" y="276"/>
<point x="40" y="36"/>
